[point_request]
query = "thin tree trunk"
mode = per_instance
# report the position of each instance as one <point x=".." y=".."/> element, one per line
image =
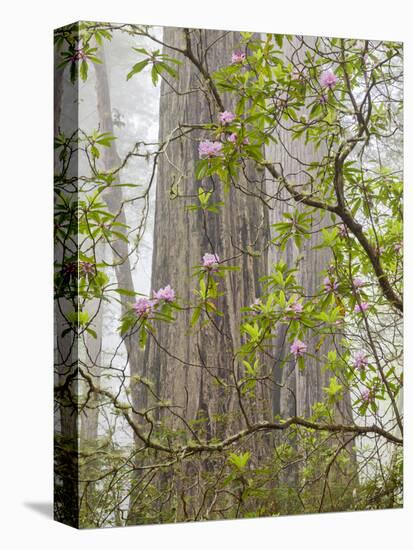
<point x="115" y="202"/>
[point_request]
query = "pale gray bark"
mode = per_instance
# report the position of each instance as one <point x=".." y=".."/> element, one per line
<point x="114" y="200"/>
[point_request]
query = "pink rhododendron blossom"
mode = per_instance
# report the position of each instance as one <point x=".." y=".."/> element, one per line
<point x="210" y="260"/>
<point x="87" y="268"/>
<point x="70" y="270"/>
<point x="79" y="54"/>
<point x="232" y="138"/>
<point x="226" y="117"/>
<point x="330" y="285"/>
<point x="360" y="360"/>
<point x="298" y="348"/>
<point x="167" y="294"/>
<point x="297" y="308"/>
<point x="363" y="306"/>
<point x="397" y="247"/>
<point x="366" y="395"/>
<point x="208" y="149"/>
<point x="238" y="57"/>
<point x="143" y="307"/>
<point x="357" y="282"/>
<point x="328" y="79"/>
<point x="343" y="231"/>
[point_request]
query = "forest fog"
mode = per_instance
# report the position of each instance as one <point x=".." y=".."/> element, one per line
<point x="229" y="270"/>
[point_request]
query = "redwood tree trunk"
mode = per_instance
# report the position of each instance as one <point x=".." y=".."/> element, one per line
<point x="183" y="373"/>
<point x="181" y="238"/>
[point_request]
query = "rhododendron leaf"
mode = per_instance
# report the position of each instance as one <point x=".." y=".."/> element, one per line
<point x="195" y="316"/>
<point x="83" y="70"/>
<point x="201" y="169"/>
<point x="137" y="68"/>
<point x="125" y="291"/>
<point x="239" y="461"/>
<point x="143" y="337"/>
<point x="91" y="332"/>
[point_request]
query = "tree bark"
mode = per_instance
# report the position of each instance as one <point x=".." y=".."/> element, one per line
<point x="182" y="237"/>
<point x="185" y="373"/>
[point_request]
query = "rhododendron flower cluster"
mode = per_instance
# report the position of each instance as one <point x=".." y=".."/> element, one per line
<point x="70" y="269"/>
<point x="209" y="149"/>
<point x="87" y="268"/>
<point x="238" y="57"/>
<point x="210" y="260"/>
<point x="166" y="294"/>
<point x="226" y="117"/>
<point x="366" y="395"/>
<point x="343" y="231"/>
<point x="397" y="247"/>
<point x="330" y="285"/>
<point x="298" y="348"/>
<point x="357" y="282"/>
<point x="328" y="79"/>
<point x="79" y="54"/>
<point x="297" y="308"/>
<point x="233" y="138"/>
<point x="363" y="306"/>
<point x="360" y="360"/>
<point x="143" y="307"/>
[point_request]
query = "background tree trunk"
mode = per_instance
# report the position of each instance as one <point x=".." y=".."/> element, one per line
<point x="301" y="389"/>
<point x="114" y="199"/>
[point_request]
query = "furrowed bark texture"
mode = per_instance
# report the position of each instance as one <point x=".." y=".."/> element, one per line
<point x="184" y="370"/>
<point x="182" y="237"/>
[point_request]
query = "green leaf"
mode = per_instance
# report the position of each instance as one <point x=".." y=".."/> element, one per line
<point x="195" y="316"/>
<point x="201" y="169"/>
<point x="124" y="291"/>
<point x="239" y="461"/>
<point x="143" y="337"/>
<point x="137" y="68"/>
<point x="84" y="69"/>
<point x="155" y="75"/>
<point x="91" y="332"/>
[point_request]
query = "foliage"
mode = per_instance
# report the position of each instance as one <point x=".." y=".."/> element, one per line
<point x="347" y="204"/>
